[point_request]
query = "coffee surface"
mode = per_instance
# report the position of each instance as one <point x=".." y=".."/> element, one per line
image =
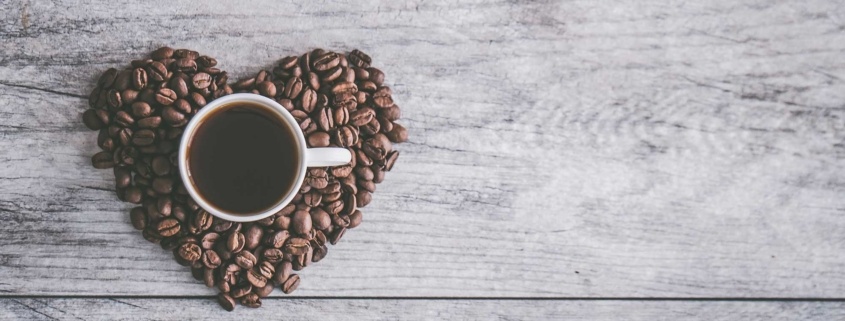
<point x="243" y="159"/>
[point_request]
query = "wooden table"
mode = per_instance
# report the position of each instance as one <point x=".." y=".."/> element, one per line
<point x="639" y="160"/>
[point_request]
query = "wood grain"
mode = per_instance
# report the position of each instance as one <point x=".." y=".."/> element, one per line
<point x="327" y="310"/>
<point x="557" y="148"/>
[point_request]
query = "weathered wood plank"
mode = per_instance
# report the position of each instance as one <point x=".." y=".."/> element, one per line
<point x="558" y="148"/>
<point x="309" y="309"/>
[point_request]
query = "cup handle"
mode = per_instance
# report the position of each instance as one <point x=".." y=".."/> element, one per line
<point x="328" y="156"/>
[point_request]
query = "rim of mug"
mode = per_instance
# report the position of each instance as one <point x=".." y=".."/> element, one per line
<point x="190" y="130"/>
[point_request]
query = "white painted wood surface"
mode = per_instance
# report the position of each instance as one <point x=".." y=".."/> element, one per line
<point x="557" y="148"/>
<point x="119" y="309"/>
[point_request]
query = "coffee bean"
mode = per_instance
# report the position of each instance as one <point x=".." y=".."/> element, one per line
<point x="114" y="100"/>
<point x="139" y="78"/>
<point x="319" y="139"/>
<point x="165" y="96"/>
<point x="162" y="53"/>
<point x="255" y="278"/>
<point x="122" y="176"/>
<point x="241" y="290"/>
<point x="325" y="118"/>
<point x="313" y="198"/>
<point x="391" y="113"/>
<point x="185" y="65"/>
<point x="245" y="259"/>
<point x="123" y="119"/>
<point x="102" y="160"/>
<point x="273" y="255"/>
<point x="341" y="171"/>
<point x="363" y="197"/>
<point x="336" y="235"/>
<point x="371" y="128"/>
<point x="266" y="88"/>
<point x="346" y="136"/>
<point x="251" y="301"/>
<point x="208" y="240"/>
<point x="168" y="227"/>
<point x="210" y="259"/>
<point x="277" y="239"/>
<point x="133" y="195"/>
<point x="91" y="120"/>
<point x="201" y="80"/>
<point x="203" y="220"/>
<point x="348" y="184"/>
<point x="376" y="76"/>
<point x="226" y="302"/>
<point x="156" y="71"/>
<point x="317" y="178"/>
<point x="325" y="61"/>
<point x="320" y="219"/>
<point x="341" y="116"/>
<point x="235" y="242"/>
<point x="377" y="147"/>
<point x="346" y="87"/>
<point x="362" y="116"/>
<point x="138" y="217"/>
<point x="164" y="205"/>
<point x="107" y="78"/>
<point x="173" y="117"/>
<point x="296" y="246"/>
<point x="253" y="235"/>
<point x="290" y="284"/>
<point x="301" y="222"/>
<point x="190" y="252"/>
<point x="143" y="137"/>
<point x="160" y="165"/>
<point x="390" y="160"/>
<point x="141" y="109"/>
<point x="163" y="185"/>
<point x="359" y="59"/>
<point x="293" y="87"/>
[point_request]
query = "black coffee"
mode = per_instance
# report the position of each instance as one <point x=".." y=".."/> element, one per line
<point x="243" y="158"/>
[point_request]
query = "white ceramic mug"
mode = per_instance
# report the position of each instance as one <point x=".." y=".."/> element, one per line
<point x="309" y="157"/>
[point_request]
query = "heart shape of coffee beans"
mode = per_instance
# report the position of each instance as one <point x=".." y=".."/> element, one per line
<point x="339" y="100"/>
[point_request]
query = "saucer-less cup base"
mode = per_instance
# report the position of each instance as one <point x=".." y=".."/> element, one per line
<point x="311" y="157"/>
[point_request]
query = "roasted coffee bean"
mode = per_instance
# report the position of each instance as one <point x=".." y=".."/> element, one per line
<point x="377" y="147"/>
<point x="141" y="109"/>
<point x="346" y="136"/>
<point x="179" y="86"/>
<point x="350" y="204"/>
<point x="102" y="160"/>
<point x="251" y="300"/>
<point x="319" y="139"/>
<point x="208" y="240"/>
<point x="163" y="185"/>
<point x="91" y="120"/>
<point x="254" y="277"/>
<point x="107" y="78"/>
<point x="226" y="302"/>
<point x="245" y="259"/>
<point x="164" y="205"/>
<point x="348" y="184"/>
<point x="290" y="284"/>
<point x="162" y="53"/>
<point x="203" y="220"/>
<point x="264" y="291"/>
<point x="123" y="119"/>
<point x="282" y="222"/>
<point x="105" y="142"/>
<point x="210" y="259"/>
<point x="206" y="61"/>
<point x="124" y="136"/>
<point x="355" y="219"/>
<point x="341" y="171"/>
<point x="363" y="197"/>
<point x="325" y="118"/>
<point x="325" y="61"/>
<point x="313" y="198"/>
<point x="283" y="272"/>
<point x="209" y="278"/>
<point x="376" y="76"/>
<point x="319" y="253"/>
<point x="201" y="80"/>
<point x="317" y="178"/>
<point x="138" y="217"/>
<point x="336" y="235"/>
<point x="273" y="255"/>
<point x="364" y="173"/>
<point x="266" y="269"/>
<point x="301" y="222"/>
<point x="266" y="88"/>
<point x="368" y="186"/>
<point x="160" y="165"/>
<point x="371" y="128"/>
<point x="235" y="242"/>
<point x="390" y="160"/>
<point x="320" y="219"/>
<point x="308" y="101"/>
<point x="128" y="95"/>
<point x="398" y="134"/>
<point x="391" y="113"/>
<point x="362" y="116"/>
<point x="359" y="59"/>
<point x="133" y="195"/>
<point x="241" y="290"/>
<point x="143" y="137"/>
<point x="252" y="236"/>
<point x="335" y="207"/>
<point x="185" y="65"/>
<point x="267" y="221"/>
<point x="122" y="176"/>
<point x="114" y="100"/>
<point x="345" y="87"/>
<point x="168" y="227"/>
<point x="348" y="101"/>
<point x="293" y="87"/>
<point x="190" y="252"/>
<point x="165" y="96"/>
<point x="139" y="78"/>
<point x="277" y="239"/>
<point x="156" y="71"/>
<point x="221" y="226"/>
<point x="174" y="117"/>
<point x="296" y="246"/>
<point x="341" y="116"/>
<point x="378" y="173"/>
